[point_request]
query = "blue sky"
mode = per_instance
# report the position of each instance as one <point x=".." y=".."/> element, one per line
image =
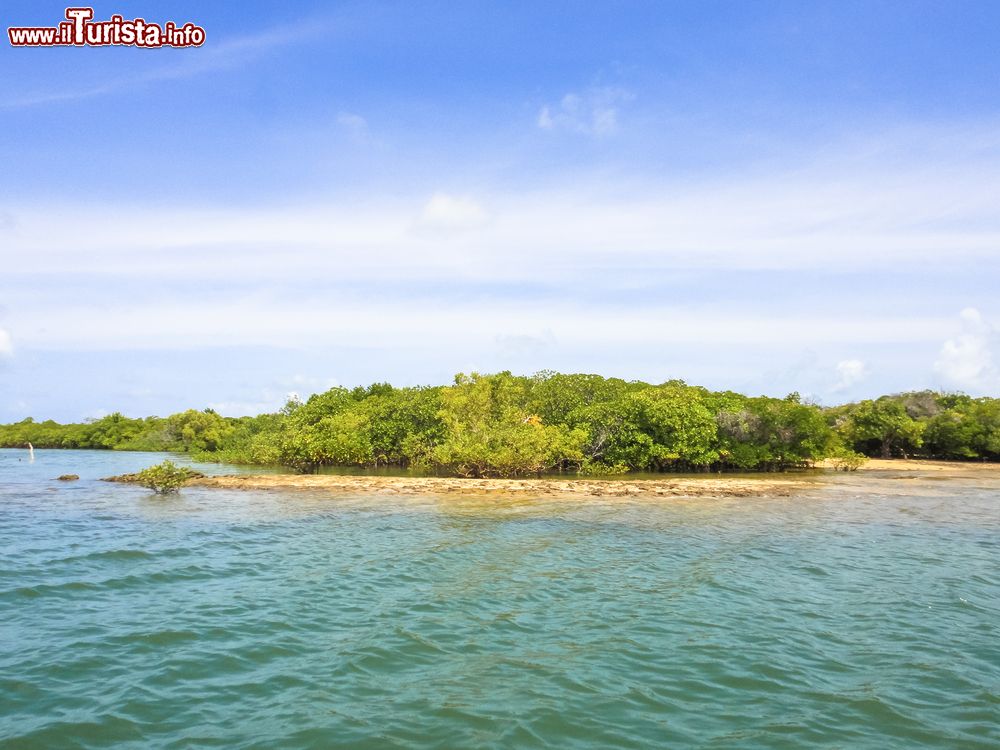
<point x="759" y="196"/>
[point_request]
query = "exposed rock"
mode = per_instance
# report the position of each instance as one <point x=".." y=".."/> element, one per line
<point x="134" y="478"/>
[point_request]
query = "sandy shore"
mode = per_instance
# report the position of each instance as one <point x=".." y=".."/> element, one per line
<point x="712" y="486"/>
<point x="934" y="467"/>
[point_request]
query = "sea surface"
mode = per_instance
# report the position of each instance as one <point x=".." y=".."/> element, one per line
<point x="862" y="613"/>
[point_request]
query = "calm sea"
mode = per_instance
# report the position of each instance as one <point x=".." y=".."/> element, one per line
<point x="863" y="613"/>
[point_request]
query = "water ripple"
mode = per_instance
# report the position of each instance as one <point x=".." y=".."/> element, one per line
<point x="261" y="620"/>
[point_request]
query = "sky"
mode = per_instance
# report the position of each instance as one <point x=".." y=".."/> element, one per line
<point x="766" y="197"/>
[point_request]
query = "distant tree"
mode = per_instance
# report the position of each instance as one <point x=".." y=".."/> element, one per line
<point x="503" y="425"/>
<point x="488" y="432"/>
<point x="886" y="423"/>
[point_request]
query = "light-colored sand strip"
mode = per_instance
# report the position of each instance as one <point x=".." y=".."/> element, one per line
<point x="679" y="487"/>
<point x="908" y="464"/>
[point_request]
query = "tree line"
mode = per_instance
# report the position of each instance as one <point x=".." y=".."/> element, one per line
<point x="509" y="425"/>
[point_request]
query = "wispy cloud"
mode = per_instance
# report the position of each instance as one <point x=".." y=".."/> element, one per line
<point x="274" y="396"/>
<point x="444" y="212"/>
<point x="363" y="320"/>
<point x="966" y="360"/>
<point x="525" y="344"/>
<point x="353" y="123"/>
<point x="873" y="216"/>
<point x="850" y="372"/>
<point x="592" y="112"/>
<point x="596" y="266"/>
<point x="6" y="345"/>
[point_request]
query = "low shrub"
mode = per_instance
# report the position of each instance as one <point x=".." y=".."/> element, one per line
<point x="164" y="478"/>
<point x="848" y="460"/>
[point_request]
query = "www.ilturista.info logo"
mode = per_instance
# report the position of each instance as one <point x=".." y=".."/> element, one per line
<point x="80" y="30"/>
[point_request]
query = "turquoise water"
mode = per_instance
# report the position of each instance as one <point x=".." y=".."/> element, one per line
<point x="861" y="614"/>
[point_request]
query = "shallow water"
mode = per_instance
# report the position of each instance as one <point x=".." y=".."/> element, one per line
<point x="862" y="614"/>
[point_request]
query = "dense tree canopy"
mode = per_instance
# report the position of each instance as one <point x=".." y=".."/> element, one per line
<point x="508" y="425"/>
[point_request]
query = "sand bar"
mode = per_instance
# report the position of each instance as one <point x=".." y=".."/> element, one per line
<point x="977" y="468"/>
<point x="713" y="486"/>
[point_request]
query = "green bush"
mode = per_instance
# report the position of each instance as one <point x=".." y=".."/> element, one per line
<point x="164" y="478"/>
<point x="848" y="460"/>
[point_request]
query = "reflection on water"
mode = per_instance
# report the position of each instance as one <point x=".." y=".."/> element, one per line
<point x="861" y="613"/>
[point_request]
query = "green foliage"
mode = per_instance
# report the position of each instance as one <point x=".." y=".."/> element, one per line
<point x="164" y="478"/>
<point x="188" y="431"/>
<point x="198" y="430"/>
<point x="772" y="434"/>
<point x="486" y="431"/>
<point x="884" y="424"/>
<point x="953" y="434"/>
<point x="845" y="459"/>
<point x="556" y="398"/>
<point x="508" y="425"/>
<point x="680" y="425"/>
<point x="614" y="434"/>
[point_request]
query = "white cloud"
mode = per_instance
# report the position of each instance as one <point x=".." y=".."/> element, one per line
<point x="267" y="401"/>
<point x="595" y="112"/>
<point x="966" y="360"/>
<point x="274" y="397"/>
<point x="838" y="215"/>
<point x="451" y="212"/>
<point x="246" y="408"/>
<point x="8" y="223"/>
<point x="363" y="320"/>
<point x="561" y="258"/>
<point x="518" y="345"/>
<point x="6" y="345"/>
<point x="850" y="372"/>
<point x="356" y="125"/>
<point x="307" y="384"/>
